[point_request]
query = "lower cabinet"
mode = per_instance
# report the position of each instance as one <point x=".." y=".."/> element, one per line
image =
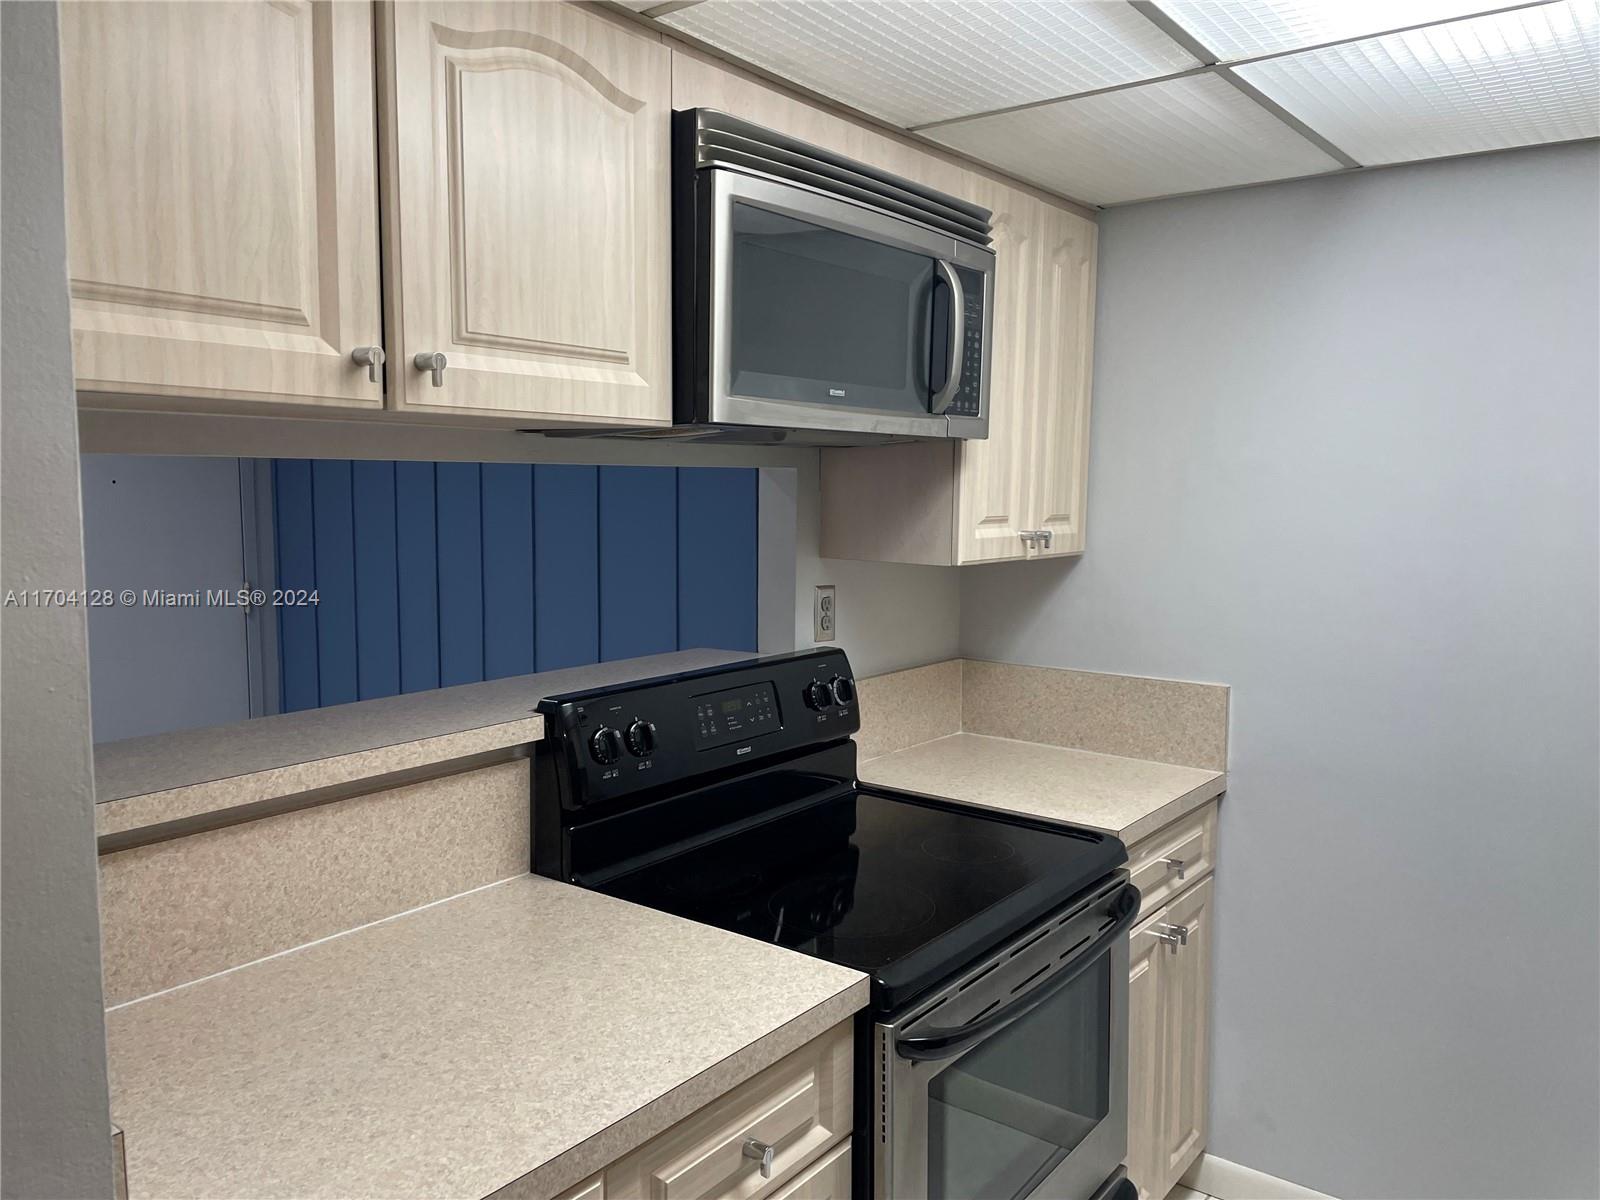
<point x="1169" y="1027"/>
<point x="783" y="1135"/>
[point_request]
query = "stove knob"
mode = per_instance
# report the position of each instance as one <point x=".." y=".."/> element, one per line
<point x="641" y="738"/>
<point x="818" y="696"/>
<point x="605" y="746"/>
<point x="843" y="689"/>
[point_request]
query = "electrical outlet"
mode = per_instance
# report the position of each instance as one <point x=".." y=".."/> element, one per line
<point x="824" y="616"/>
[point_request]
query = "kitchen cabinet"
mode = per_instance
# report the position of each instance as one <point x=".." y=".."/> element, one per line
<point x="222" y="202"/>
<point x="1020" y="492"/>
<point x="1169" y="1026"/>
<point x="527" y="195"/>
<point x="797" y="1112"/>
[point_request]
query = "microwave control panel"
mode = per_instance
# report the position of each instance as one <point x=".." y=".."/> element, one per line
<point x="969" y="396"/>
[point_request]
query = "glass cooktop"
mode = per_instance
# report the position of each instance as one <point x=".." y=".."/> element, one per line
<point x="905" y="890"/>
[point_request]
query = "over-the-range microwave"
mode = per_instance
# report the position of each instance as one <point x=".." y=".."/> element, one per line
<point x="820" y="300"/>
<point x="821" y="296"/>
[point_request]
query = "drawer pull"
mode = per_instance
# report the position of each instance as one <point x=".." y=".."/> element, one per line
<point x="1173" y="935"/>
<point x="1174" y="864"/>
<point x="762" y="1153"/>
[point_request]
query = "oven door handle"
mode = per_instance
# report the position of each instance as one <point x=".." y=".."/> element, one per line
<point x="946" y="1043"/>
<point x="958" y="337"/>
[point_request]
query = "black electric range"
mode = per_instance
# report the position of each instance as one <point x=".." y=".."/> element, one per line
<point x="729" y="796"/>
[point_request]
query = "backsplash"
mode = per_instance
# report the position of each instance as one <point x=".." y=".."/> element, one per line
<point x="434" y="574"/>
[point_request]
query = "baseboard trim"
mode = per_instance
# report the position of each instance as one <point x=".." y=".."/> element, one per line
<point x="1229" y="1181"/>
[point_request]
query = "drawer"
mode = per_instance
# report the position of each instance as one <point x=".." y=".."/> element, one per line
<point x="1152" y="863"/>
<point x="799" y="1106"/>
<point x="826" y="1179"/>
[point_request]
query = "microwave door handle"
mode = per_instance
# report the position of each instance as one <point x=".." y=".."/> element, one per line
<point x="958" y="336"/>
<point x="949" y="1042"/>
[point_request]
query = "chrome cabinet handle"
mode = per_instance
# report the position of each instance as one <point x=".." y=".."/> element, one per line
<point x="1174" y="864"/>
<point x="1173" y="935"/>
<point x="762" y="1153"/>
<point x="434" y="363"/>
<point x="370" y="357"/>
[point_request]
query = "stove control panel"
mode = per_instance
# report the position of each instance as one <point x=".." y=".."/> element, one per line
<point x="638" y="737"/>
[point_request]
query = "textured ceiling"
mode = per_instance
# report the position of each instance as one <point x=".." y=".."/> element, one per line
<point x="1113" y="101"/>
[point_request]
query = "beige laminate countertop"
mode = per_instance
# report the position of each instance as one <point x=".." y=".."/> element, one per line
<point x="1129" y="797"/>
<point x="146" y="781"/>
<point x="528" y="1031"/>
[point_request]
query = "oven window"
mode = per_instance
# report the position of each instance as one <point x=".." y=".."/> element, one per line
<point x="826" y="318"/>
<point x="1005" y="1114"/>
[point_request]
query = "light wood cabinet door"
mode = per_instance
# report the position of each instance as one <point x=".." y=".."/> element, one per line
<point x="527" y="192"/>
<point x="222" y="203"/>
<point x="1063" y="338"/>
<point x="1187" y="1015"/>
<point x="1145" y="1075"/>
<point x="993" y="475"/>
<point x="826" y="1179"/>
<point x="1169" y="1038"/>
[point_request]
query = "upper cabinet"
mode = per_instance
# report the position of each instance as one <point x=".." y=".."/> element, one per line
<point x="231" y="166"/>
<point x="528" y="196"/>
<point x="1020" y="492"/>
<point x="222" y="196"/>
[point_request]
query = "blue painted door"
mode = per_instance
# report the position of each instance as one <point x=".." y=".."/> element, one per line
<point x="433" y="574"/>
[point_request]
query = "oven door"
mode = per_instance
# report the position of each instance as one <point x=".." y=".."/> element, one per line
<point x="828" y="315"/>
<point x="1012" y="1081"/>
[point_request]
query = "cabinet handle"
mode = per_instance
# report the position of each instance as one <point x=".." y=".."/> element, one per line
<point x="762" y="1153"/>
<point x="1173" y="935"/>
<point x="1048" y="535"/>
<point x="434" y="362"/>
<point x="1174" y="864"/>
<point x="370" y="357"/>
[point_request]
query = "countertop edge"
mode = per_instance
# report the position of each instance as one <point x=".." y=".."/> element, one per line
<point x="1175" y="809"/>
<point x="126" y="814"/>
<point x="628" y="1133"/>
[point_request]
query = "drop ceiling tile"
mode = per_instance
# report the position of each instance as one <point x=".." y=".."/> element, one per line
<point x="911" y="62"/>
<point x="1235" y="29"/>
<point x="1510" y="79"/>
<point x="1181" y="135"/>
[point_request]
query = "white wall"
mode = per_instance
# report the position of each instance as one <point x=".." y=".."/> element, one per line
<point x="55" y="1138"/>
<point x="1344" y="459"/>
<point x="890" y="615"/>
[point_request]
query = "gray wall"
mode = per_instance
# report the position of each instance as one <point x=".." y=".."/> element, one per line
<point x="169" y="524"/>
<point x="890" y="615"/>
<point x="55" y="1131"/>
<point x="1344" y="459"/>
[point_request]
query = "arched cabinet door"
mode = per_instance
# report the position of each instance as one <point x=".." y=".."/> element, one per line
<point x="527" y="207"/>
<point x="1059" y="437"/>
<point x="993" y="475"/>
<point x="222" y="202"/>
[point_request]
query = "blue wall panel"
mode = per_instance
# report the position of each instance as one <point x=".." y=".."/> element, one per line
<point x="297" y="569"/>
<point x="566" y="563"/>
<point x="377" y="580"/>
<point x="333" y="521"/>
<point x="508" y="604"/>
<point x="432" y="574"/>
<point x="638" y="561"/>
<point x="417" y="575"/>
<point x="717" y="558"/>
<point x="459" y="502"/>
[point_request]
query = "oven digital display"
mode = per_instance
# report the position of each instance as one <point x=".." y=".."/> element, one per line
<point x="735" y="715"/>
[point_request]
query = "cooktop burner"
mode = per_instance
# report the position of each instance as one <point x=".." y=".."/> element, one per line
<point x="884" y="883"/>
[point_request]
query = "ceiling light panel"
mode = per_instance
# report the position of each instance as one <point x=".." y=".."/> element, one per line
<point x="911" y="62"/>
<point x="1158" y="139"/>
<point x="1235" y="29"/>
<point x="1489" y="83"/>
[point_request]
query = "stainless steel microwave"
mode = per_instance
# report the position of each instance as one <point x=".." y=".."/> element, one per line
<point x="817" y="299"/>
